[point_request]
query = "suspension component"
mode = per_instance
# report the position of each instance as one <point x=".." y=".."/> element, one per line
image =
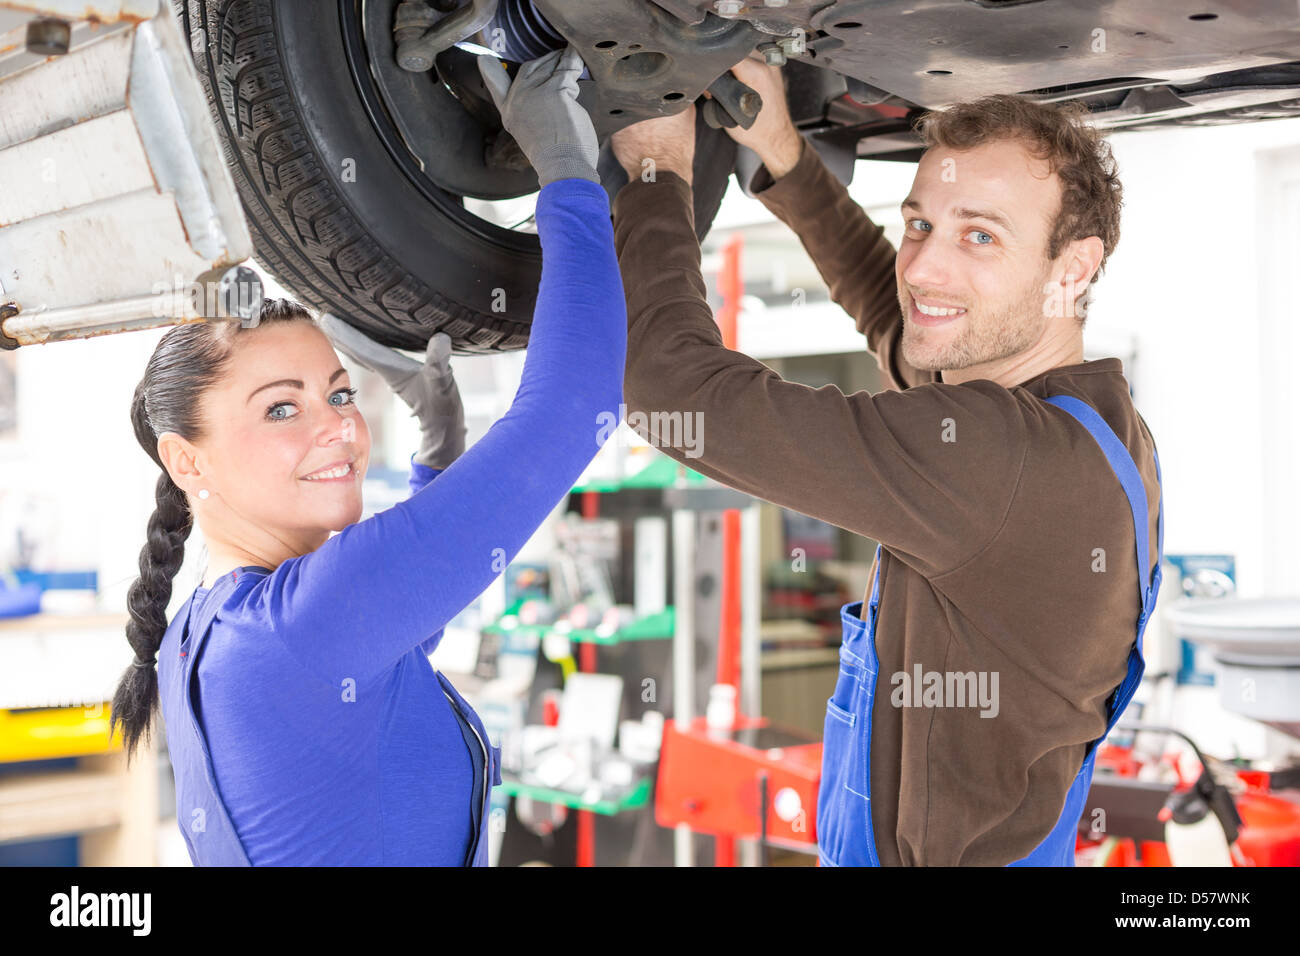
<point x="732" y="103"/>
<point x="420" y="39"/>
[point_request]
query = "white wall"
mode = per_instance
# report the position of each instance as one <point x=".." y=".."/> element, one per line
<point x="76" y="459"/>
<point x="1184" y="279"/>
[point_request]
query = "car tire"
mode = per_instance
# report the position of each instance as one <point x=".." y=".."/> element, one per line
<point x="336" y="214"/>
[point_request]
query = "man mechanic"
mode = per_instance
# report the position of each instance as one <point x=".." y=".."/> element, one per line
<point x="1012" y="487"/>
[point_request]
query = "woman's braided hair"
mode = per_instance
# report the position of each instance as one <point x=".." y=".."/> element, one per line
<point x="186" y="362"/>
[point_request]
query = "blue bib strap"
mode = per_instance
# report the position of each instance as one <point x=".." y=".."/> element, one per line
<point x="1121" y="462"/>
<point x="212" y="602"/>
<point x="220" y="828"/>
<point x="1160" y="516"/>
<point x="875" y="582"/>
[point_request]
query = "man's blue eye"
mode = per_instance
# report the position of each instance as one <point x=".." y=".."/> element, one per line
<point x="985" y="235"/>
<point x="921" y="221"/>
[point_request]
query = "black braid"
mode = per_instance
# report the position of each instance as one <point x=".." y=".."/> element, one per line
<point x="136" y="701"/>
<point x="187" y="361"/>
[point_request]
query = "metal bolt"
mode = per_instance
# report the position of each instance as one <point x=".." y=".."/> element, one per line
<point x="415" y="62"/>
<point x="238" y="294"/>
<point x="728" y="8"/>
<point x="48" y="37"/>
<point x="773" y="54"/>
<point x="775" y="3"/>
<point x="793" y="45"/>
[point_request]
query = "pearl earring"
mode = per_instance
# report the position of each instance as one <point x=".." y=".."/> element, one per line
<point x="203" y="492"/>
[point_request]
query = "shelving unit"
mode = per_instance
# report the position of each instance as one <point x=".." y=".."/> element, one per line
<point x="669" y="489"/>
<point x="113" y="810"/>
<point x="60" y="774"/>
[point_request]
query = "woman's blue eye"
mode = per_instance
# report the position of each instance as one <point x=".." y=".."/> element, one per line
<point x="349" y="395"/>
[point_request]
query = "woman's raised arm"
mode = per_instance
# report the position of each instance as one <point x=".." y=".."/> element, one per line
<point x="381" y="586"/>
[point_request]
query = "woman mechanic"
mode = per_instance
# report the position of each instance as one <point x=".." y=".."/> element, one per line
<point x="304" y="722"/>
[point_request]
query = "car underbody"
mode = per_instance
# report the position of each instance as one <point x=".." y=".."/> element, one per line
<point x="860" y="72"/>
<point x="351" y="147"/>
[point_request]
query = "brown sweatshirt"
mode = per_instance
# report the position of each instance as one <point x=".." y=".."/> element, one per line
<point x="1007" y="542"/>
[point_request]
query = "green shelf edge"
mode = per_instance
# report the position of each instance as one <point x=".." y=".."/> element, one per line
<point x="656" y="627"/>
<point x="661" y="473"/>
<point x="635" y="800"/>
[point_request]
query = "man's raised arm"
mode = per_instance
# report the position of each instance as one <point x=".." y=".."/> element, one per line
<point x="850" y="251"/>
<point x="875" y="465"/>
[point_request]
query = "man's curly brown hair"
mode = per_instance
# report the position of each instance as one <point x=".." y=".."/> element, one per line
<point x="1091" y="194"/>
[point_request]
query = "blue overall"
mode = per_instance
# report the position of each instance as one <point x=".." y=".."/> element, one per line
<point x="844" y="833"/>
<point x="209" y="833"/>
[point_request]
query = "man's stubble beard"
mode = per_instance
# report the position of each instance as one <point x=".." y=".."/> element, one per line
<point x="986" y="339"/>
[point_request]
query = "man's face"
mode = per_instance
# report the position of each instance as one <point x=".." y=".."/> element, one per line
<point x="263" y="442"/>
<point x="972" y="264"/>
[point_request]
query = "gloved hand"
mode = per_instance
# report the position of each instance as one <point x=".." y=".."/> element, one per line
<point x="427" y="387"/>
<point x="540" y="109"/>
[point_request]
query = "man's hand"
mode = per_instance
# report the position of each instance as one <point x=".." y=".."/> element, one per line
<point x="773" y="136"/>
<point x="667" y="141"/>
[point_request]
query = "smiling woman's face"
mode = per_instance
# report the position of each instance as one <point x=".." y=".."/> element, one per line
<point x="286" y="447"/>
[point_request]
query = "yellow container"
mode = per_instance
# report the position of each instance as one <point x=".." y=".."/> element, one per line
<point x="48" y="733"/>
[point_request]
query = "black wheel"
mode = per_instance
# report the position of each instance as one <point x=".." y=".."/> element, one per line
<point x="343" y="163"/>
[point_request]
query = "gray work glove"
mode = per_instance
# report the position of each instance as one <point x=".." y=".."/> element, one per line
<point x="540" y="109"/>
<point x="428" y="387"/>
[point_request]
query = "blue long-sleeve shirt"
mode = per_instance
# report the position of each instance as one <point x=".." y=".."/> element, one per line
<point x="330" y="737"/>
